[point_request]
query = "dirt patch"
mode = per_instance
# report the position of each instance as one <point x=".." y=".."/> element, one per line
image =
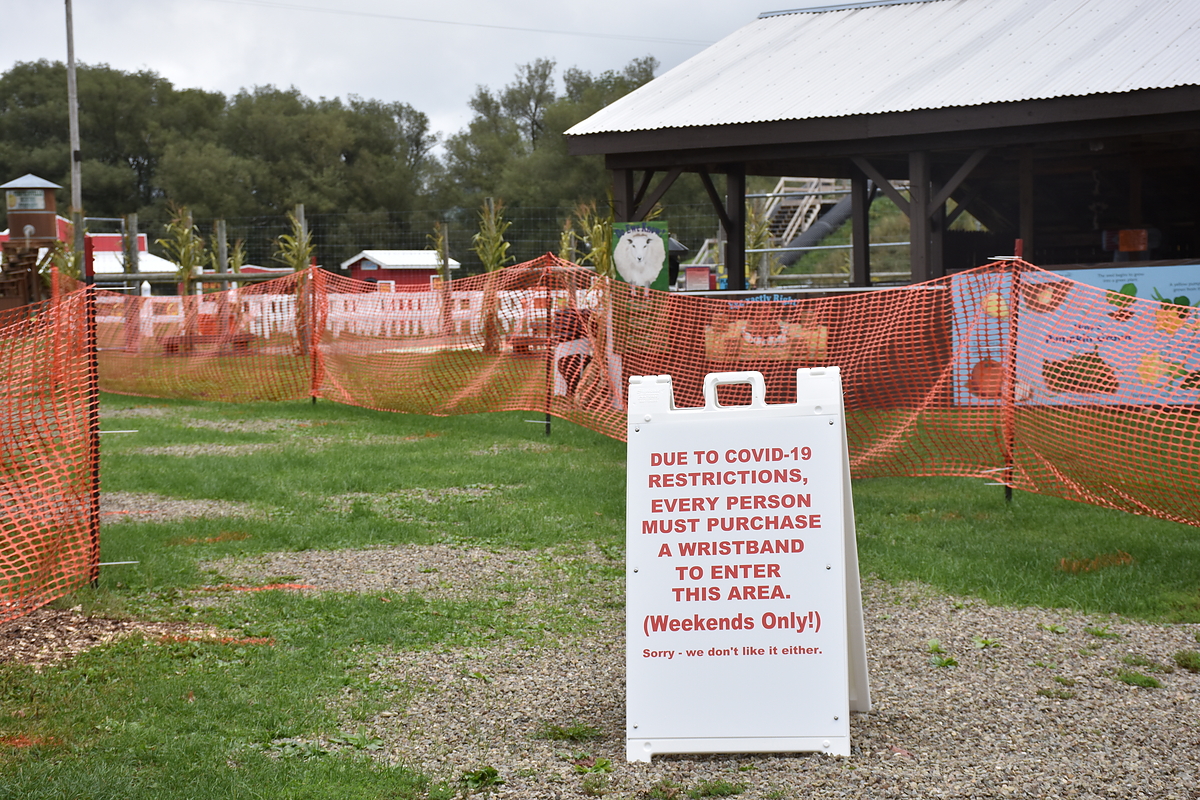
<point x="435" y="571"/>
<point x="153" y="412"/>
<point x="20" y="740"/>
<point x="193" y="450"/>
<point x="401" y="505"/>
<point x="524" y="447"/>
<point x="223" y="536"/>
<point x="248" y="425"/>
<point x="48" y="636"/>
<point x="299" y="438"/>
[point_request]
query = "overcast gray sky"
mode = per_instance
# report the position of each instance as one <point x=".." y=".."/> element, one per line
<point x="430" y="55"/>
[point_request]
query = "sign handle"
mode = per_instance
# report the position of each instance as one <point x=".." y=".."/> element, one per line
<point x="758" y="387"/>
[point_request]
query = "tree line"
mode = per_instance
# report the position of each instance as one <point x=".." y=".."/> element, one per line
<point x="148" y="146"/>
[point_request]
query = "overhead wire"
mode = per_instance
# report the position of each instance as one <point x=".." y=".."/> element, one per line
<point x="460" y="23"/>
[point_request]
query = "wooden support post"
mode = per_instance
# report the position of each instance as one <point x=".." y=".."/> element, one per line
<point x="131" y="243"/>
<point x="918" y="217"/>
<point x="222" y="248"/>
<point x="860" y="228"/>
<point x="1025" y="177"/>
<point x="735" y="210"/>
<point x="623" y="197"/>
<point x="937" y="231"/>
<point x="444" y="252"/>
<point x="303" y="222"/>
<point x="191" y="286"/>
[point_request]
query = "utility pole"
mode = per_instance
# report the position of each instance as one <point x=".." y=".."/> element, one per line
<point x="76" y="155"/>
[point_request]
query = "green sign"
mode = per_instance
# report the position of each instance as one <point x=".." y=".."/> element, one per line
<point x="640" y="253"/>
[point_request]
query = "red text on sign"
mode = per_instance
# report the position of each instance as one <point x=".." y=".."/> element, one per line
<point x="695" y="594"/>
<point x="670" y="505"/>
<point x="661" y="623"/>
<point x="764" y="523"/>
<point x="669" y="525"/>
<point x="750" y="502"/>
<point x="739" y="477"/>
<point x="720" y="572"/>
<point x="737" y="547"/>
<point x="760" y="592"/>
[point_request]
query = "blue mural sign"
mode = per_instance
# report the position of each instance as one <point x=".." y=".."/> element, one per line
<point x="1084" y="337"/>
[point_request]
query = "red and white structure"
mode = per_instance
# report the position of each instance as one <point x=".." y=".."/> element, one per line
<point x="404" y="267"/>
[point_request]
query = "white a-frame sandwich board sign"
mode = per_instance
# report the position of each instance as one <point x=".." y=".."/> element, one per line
<point x="744" y="628"/>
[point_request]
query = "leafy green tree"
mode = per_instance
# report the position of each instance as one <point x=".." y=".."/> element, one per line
<point x="387" y="160"/>
<point x="126" y="120"/>
<point x="214" y="181"/>
<point x="515" y="146"/>
<point x="297" y="143"/>
<point x="33" y="122"/>
<point x="475" y="158"/>
<point x="148" y="145"/>
<point x="526" y="99"/>
<point x="394" y="129"/>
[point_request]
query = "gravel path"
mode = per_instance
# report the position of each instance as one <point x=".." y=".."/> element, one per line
<point x="976" y="730"/>
<point x="118" y="507"/>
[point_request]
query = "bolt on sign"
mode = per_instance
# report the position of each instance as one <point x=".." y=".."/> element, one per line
<point x="744" y="628"/>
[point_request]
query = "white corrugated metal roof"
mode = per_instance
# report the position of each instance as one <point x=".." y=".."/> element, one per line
<point x="30" y="181"/>
<point x="919" y="55"/>
<point x="105" y="262"/>
<point x="401" y="259"/>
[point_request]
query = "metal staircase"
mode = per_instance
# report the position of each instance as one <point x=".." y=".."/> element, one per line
<point x="792" y="206"/>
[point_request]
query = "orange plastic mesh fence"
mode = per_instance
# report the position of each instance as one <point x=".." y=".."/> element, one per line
<point x="1004" y="372"/>
<point x="49" y="489"/>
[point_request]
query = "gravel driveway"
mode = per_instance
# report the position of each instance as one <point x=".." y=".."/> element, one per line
<point x="1033" y="707"/>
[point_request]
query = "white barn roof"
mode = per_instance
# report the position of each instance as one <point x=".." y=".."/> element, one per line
<point x="110" y="263"/>
<point x="873" y="58"/>
<point x="401" y="259"/>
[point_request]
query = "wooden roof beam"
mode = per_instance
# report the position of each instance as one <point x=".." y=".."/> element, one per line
<point x="883" y="183"/>
<point x="717" y="202"/>
<point x="647" y="205"/>
<point x="956" y="180"/>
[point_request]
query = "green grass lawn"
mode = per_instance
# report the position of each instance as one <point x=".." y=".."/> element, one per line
<point x="205" y="719"/>
<point x="216" y="377"/>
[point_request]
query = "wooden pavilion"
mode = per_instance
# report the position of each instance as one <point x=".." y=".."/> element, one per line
<point x="1072" y="125"/>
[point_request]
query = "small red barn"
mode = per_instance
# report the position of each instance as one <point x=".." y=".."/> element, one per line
<point x="405" y="267"/>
